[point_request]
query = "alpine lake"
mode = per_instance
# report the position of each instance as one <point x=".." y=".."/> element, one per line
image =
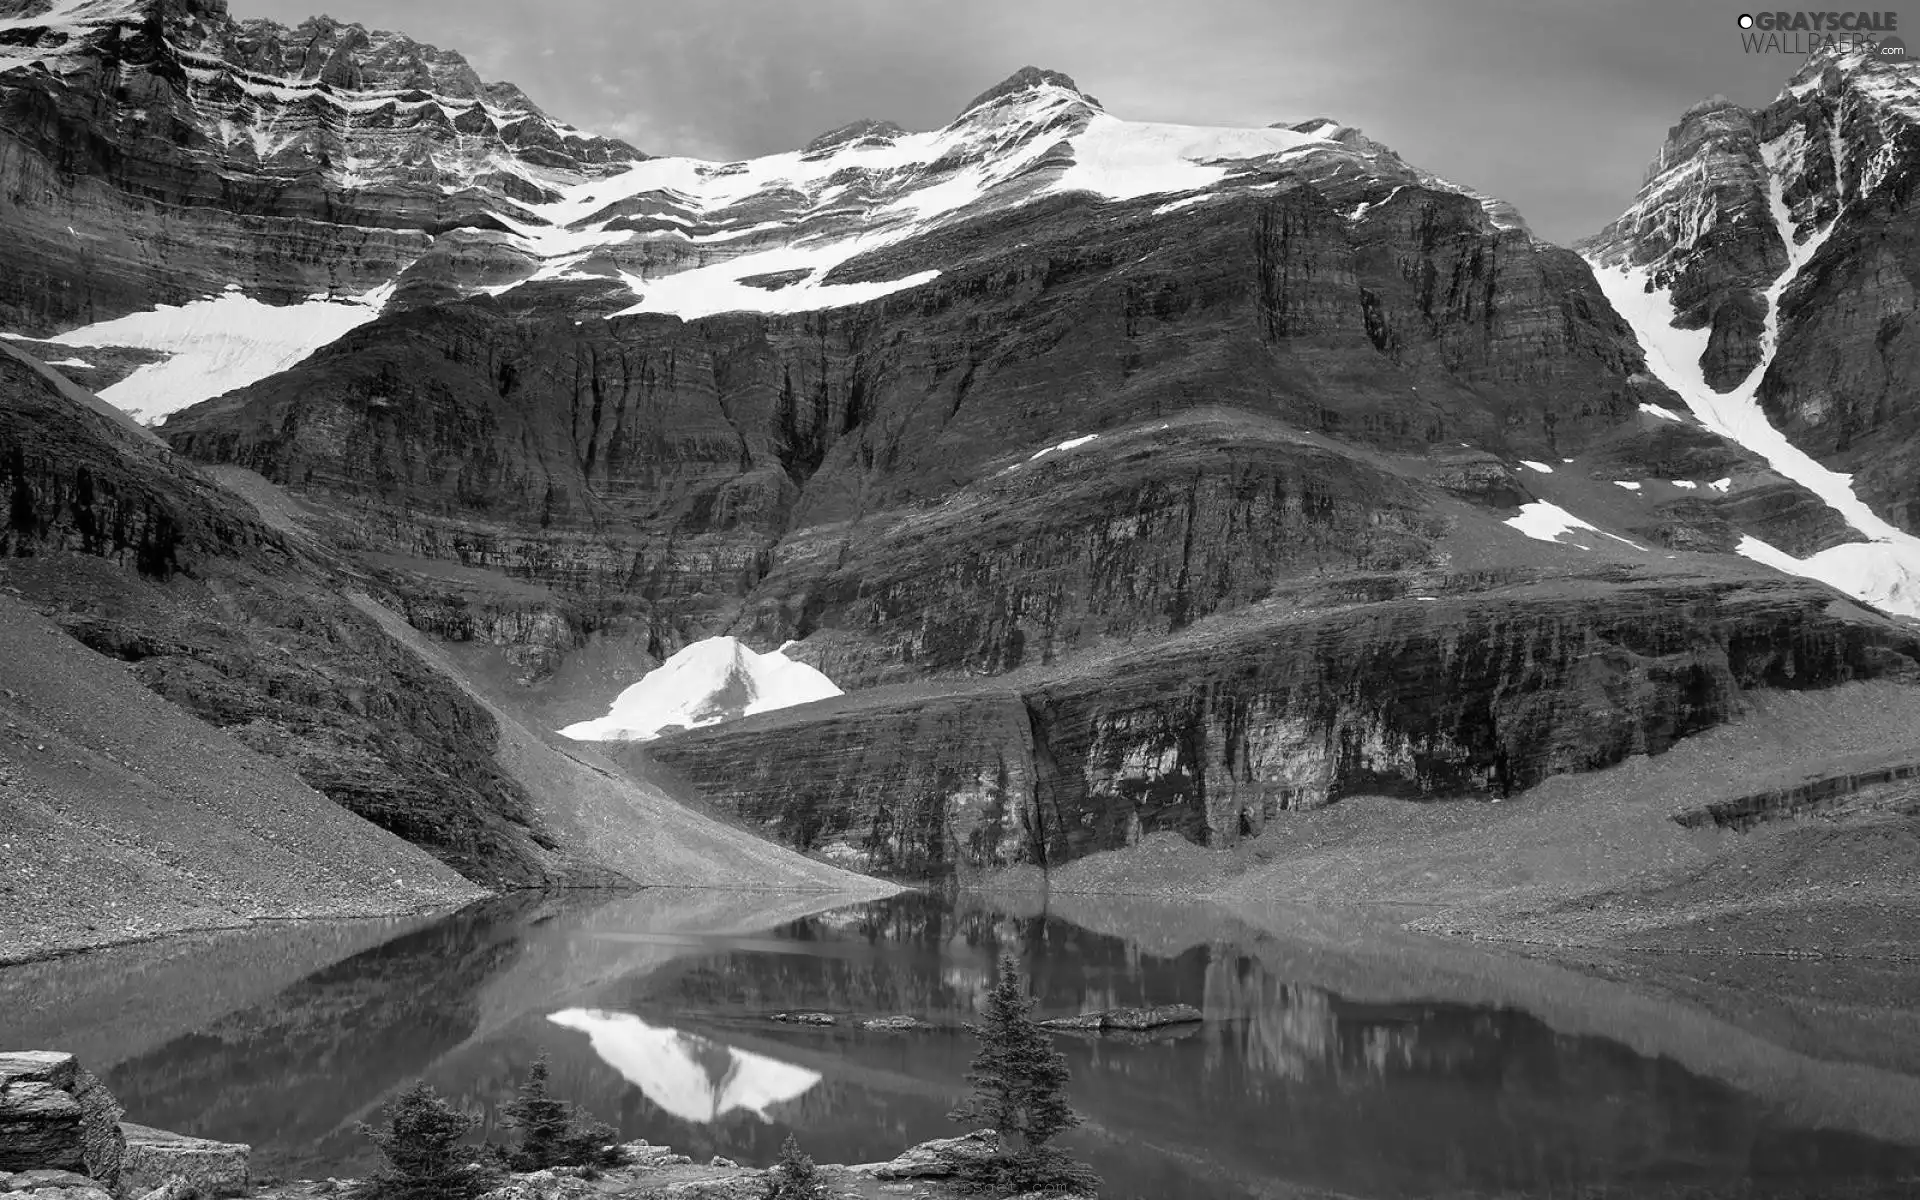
<point x="1338" y="1054"/>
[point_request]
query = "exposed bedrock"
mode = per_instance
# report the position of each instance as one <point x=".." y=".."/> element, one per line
<point x="1835" y="157"/>
<point x="161" y="153"/>
<point x="741" y="471"/>
<point x="1212" y="732"/>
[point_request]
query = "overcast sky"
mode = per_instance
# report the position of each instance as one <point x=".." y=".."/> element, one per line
<point x="1555" y="105"/>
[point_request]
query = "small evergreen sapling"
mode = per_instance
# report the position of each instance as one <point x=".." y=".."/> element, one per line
<point x="423" y="1141"/>
<point x="794" y="1177"/>
<point x="1020" y="1090"/>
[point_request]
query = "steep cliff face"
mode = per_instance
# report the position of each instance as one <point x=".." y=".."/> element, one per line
<point x="141" y="558"/>
<point x="788" y="474"/>
<point x="1766" y="264"/>
<point x="154" y="151"/>
<point x="1842" y="383"/>
<point x="1282" y="706"/>
<point x="1703" y="228"/>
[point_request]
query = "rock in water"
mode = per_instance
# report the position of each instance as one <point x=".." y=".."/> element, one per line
<point x="56" y="1115"/>
<point x="1153" y="1016"/>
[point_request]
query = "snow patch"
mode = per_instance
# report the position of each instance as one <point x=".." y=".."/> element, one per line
<point x="1684" y="483"/>
<point x="1547" y="522"/>
<point x="72" y="362"/>
<point x="1185" y="202"/>
<point x="1627" y="484"/>
<point x="1541" y="467"/>
<point x="214" y="346"/>
<point x="697" y="1079"/>
<point x="710" y="681"/>
<point x="1069" y="444"/>
<point x="1665" y="414"/>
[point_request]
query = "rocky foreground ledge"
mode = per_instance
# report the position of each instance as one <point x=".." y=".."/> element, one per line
<point x="62" y="1138"/>
<point x="657" y="1173"/>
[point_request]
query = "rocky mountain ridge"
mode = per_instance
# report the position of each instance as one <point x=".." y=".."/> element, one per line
<point x="156" y="151"/>
<point x="1760" y="265"/>
<point x="1346" y="469"/>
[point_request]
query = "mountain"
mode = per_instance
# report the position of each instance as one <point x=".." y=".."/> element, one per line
<point x="230" y="726"/>
<point x="160" y="150"/>
<point x="1130" y="477"/>
<point x="1765" y="264"/>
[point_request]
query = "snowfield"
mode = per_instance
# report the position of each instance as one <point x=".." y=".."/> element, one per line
<point x="218" y="344"/>
<point x="714" y="680"/>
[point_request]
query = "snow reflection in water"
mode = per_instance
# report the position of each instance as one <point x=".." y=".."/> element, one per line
<point x="695" y="1078"/>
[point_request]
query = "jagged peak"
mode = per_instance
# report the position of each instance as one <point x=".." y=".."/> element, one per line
<point x="1325" y="127"/>
<point x="1026" y="79"/>
<point x="1713" y="103"/>
<point x="866" y="129"/>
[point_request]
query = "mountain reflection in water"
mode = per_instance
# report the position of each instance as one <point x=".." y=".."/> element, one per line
<point x="1339" y="1054"/>
<point x="695" y="1078"/>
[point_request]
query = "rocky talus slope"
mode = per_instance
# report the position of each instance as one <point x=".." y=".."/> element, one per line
<point x="126" y="817"/>
<point x="254" y="629"/>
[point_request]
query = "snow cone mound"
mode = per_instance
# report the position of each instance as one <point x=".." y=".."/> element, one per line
<point x="710" y="681"/>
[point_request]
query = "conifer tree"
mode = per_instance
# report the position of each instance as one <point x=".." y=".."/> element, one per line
<point x="422" y="1139"/>
<point x="554" y="1133"/>
<point x="542" y="1121"/>
<point x="1020" y="1090"/>
<point x="794" y="1177"/>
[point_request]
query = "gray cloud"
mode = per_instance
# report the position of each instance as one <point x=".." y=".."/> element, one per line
<point x="1555" y="105"/>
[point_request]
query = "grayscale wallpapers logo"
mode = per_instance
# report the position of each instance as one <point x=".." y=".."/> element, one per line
<point x="1803" y="33"/>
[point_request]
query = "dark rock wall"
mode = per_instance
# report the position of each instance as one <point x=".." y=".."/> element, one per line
<point x="1209" y="734"/>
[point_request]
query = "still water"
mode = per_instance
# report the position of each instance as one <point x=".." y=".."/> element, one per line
<point x="1335" y="1057"/>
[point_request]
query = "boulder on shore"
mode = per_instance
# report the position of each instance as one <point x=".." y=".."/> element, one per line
<point x="936" y="1159"/>
<point x="54" y="1115"/>
<point x="155" y="1157"/>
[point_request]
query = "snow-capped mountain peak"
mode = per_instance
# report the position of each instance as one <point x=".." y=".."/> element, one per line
<point x="1735" y="211"/>
<point x="1029" y="79"/>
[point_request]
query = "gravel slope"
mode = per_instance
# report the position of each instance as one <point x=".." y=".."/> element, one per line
<point x="626" y="825"/>
<point x="122" y="817"/>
